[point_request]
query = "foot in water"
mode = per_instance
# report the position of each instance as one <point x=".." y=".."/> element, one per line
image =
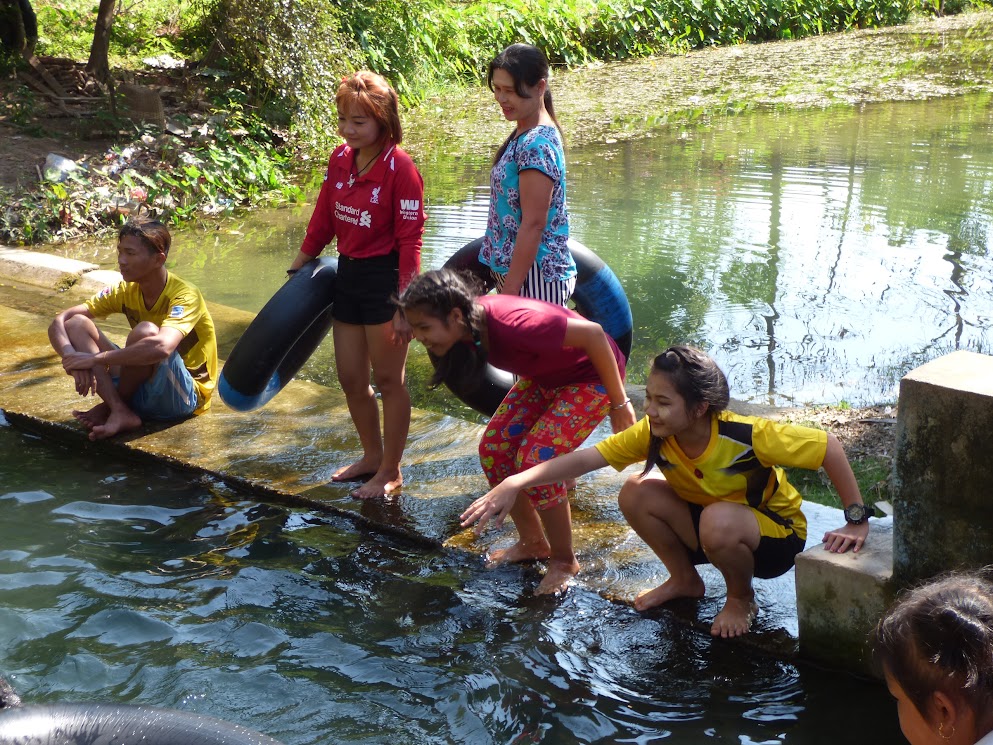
<point x="735" y="618"/>
<point x="123" y="420"/>
<point x="558" y="577"/>
<point x="362" y="470"/>
<point x="380" y="485"/>
<point x="93" y="417"/>
<point x="518" y="553"/>
<point x="670" y="590"/>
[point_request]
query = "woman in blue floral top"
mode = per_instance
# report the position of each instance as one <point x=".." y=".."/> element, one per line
<point x="527" y="230"/>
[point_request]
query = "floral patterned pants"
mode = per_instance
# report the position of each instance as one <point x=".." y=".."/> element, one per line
<point x="534" y="424"/>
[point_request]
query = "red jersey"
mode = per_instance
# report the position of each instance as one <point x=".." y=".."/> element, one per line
<point x="525" y="337"/>
<point x="370" y="215"/>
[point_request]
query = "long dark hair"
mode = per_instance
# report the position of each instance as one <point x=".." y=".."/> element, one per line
<point x="527" y="65"/>
<point x="436" y="294"/>
<point x="698" y="379"/>
<point x="939" y="637"/>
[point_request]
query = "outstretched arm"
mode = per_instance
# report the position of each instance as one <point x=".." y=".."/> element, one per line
<point x="496" y="503"/>
<point x="839" y="470"/>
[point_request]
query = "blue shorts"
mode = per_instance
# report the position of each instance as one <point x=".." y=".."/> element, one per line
<point x="169" y="394"/>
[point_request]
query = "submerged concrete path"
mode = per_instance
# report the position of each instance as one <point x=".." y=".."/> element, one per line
<point x="286" y="452"/>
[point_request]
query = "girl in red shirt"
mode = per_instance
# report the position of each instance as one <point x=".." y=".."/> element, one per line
<point x="372" y="202"/>
<point x="571" y="377"/>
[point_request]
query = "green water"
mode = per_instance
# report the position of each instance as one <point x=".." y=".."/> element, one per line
<point x="818" y="255"/>
<point x="125" y="584"/>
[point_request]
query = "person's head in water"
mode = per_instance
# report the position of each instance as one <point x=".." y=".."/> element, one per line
<point x="935" y="649"/>
<point x="440" y="306"/>
<point x="684" y="385"/>
<point x="368" y="105"/>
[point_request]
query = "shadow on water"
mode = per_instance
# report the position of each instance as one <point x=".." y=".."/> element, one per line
<point x="134" y="585"/>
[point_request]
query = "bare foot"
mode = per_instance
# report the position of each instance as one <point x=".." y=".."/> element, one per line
<point x="361" y="470"/>
<point x="379" y="485"/>
<point x="93" y="417"/>
<point x="735" y="618"/>
<point x="518" y="553"/>
<point x="558" y="577"/>
<point x="119" y="421"/>
<point x="670" y="590"/>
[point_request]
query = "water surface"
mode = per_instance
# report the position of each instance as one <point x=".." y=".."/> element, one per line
<point x="135" y="585"/>
<point x="818" y="255"/>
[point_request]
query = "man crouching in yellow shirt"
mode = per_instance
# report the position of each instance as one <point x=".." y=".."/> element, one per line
<point x="167" y="368"/>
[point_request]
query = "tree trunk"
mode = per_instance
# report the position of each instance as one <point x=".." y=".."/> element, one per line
<point x="98" y="65"/>
<point x="12" y="32"/>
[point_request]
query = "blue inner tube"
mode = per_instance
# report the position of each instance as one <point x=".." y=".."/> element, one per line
<point x="598" y="297"/>
<point x="281" y="338"/>
<point x="120" y="724"/>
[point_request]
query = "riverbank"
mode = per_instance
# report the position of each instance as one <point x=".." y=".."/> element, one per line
<point x="926" y="58"/>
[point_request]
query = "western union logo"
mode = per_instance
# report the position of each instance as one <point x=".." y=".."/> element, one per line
<point x="411" y="205"/>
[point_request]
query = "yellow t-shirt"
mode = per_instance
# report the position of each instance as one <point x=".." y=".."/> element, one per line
<point x="743" y="463"/>
<point x="180" y="306"/>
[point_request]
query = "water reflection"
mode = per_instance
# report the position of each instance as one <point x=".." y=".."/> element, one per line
<point x="818" y="255"/>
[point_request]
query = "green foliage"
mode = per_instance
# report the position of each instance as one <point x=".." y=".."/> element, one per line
<point x="418" y="43"/>
<point x="231" y="161"/>
<point x="291" y="55"/>
<point x="142" y="28"/>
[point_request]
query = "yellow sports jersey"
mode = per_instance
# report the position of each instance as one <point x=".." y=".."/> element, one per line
<point x="180" y="306"/>
<point x="743" y="463"/>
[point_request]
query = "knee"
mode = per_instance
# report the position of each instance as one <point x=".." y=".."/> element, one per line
<point x="720" y="525"/>
<point x="80" y="323"/>
<point x="143" y="330"/>
<point x="630" y="499"/>
<point x="389" y="384"/>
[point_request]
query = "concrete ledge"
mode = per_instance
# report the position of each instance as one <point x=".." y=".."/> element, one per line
<point x="840" y="597"/>
<point x="92" y="282"/>
<point x="44" y="270"/>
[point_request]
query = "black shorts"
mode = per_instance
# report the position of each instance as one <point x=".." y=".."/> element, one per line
<point x="365" y="290"/>
<point x="773" y="557"/>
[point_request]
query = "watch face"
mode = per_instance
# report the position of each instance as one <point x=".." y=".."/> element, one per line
<point x="855" y="513"/>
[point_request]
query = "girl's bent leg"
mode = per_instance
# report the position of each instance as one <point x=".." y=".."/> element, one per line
<point x="389" y="373"/>
<point x="730" y="536"/>
<point x="664" y="522"/>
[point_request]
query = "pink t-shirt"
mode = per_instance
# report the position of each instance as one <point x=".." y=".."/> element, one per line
<point x="526" y="337"/>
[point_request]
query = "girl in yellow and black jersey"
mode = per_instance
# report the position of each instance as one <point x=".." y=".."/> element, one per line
<point x="720" y="495"/>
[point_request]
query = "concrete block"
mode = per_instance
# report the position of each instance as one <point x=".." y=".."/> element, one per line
<point x="43" y="270"/>
<point x="941" y="489"/>
<point x="840" y="597"/>
<point x="92" y="282"/>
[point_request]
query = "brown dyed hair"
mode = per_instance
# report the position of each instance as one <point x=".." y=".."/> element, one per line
<point x="153" y="234"/>
<point x="371" y="93"/>
<point x="939" y="637"/>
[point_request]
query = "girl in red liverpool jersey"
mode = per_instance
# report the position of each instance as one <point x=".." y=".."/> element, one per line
<point x="372" y="202"/>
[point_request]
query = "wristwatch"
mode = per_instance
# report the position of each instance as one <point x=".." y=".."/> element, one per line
<point x="857" y="513"/>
